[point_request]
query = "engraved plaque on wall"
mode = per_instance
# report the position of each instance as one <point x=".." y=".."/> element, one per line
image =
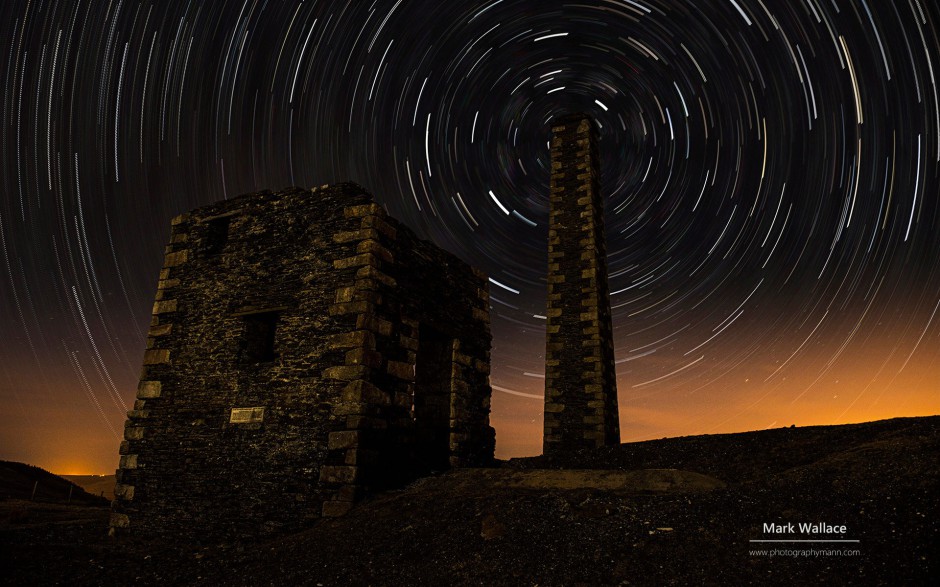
<point x="247" y="415"/>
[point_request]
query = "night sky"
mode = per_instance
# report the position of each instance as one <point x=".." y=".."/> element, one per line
<point x="770" y="169"/>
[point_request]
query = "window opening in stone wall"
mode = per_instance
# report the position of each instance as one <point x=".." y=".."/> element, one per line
<point x="431" y="403"/>
<point x="217" y="234"/>
<point x="258" y="337"/>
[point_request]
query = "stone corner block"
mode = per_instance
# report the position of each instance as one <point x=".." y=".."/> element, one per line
<point x="177" y="258"/>
<point x="339" y="474"/>
<point x="335" y="509"/>
<point x="119" y="520"/>
<point x="156" y="357"/>
<point x="149" y="389"/>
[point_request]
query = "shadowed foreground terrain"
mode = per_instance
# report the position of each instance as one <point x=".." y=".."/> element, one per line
<point x="524" y="524"/>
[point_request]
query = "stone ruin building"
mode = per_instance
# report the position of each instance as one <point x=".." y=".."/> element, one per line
<point x="304" y="348"/>
<point x="580" y="375"/>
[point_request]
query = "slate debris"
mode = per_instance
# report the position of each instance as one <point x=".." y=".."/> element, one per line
<point x="880" y="479"/>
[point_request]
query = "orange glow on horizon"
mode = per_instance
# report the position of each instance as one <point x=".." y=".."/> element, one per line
<point x="867" y="384"/>
<point x="861" y="390"/>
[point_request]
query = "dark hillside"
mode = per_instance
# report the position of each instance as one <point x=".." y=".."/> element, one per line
<point x="17" y="481"/>
<point x="618" y="520"/>
<point x="748" y="456"/>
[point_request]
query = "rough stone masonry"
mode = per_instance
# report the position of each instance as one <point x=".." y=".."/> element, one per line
<point x="304" y="348"/>
<point x="580" y="377"/>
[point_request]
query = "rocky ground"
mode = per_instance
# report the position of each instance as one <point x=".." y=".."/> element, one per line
<point x="526" y="523"/>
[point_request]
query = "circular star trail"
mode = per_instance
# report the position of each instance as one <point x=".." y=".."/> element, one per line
<point x="770" y="172"/>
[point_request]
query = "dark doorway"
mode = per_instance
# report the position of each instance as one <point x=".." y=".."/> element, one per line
<point x="431" y="413"/>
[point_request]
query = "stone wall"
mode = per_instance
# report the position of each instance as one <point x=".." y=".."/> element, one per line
<point x="279" y="379"/>
<point x="580" y="375"/>
<point x="418" y="395"/>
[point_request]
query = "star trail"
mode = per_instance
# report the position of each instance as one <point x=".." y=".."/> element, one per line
<point x="770" y="170"/>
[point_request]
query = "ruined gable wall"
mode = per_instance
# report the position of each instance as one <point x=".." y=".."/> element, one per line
<point x="185" y="467"/>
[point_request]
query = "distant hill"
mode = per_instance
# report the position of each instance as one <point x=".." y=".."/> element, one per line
<point x="17" y="481"/>
<point x="102" y="485"/>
